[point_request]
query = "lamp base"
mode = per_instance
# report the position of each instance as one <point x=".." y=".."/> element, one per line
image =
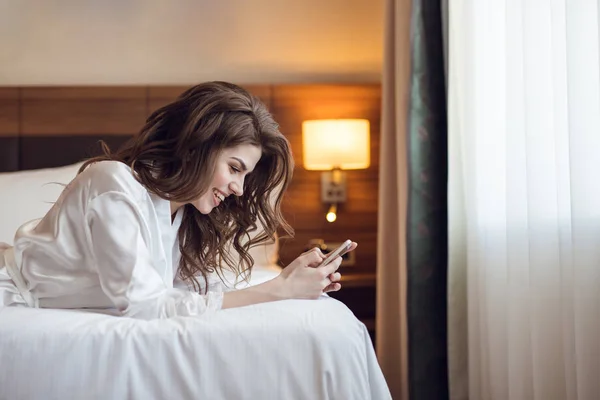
<point x="333" y="190"/>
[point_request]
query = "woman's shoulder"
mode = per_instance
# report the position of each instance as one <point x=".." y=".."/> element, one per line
<point x="110" y="176"/>
<point x="107" y="167"/>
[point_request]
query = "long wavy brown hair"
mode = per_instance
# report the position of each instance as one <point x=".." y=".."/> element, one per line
<point x="174" y="156"/>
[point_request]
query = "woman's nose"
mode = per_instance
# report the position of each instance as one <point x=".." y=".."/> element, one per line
<point x="237" y="188"/>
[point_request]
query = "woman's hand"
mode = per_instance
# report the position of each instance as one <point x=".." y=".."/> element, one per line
<point x="334" y="286"/>
<point x="304" y="279"/>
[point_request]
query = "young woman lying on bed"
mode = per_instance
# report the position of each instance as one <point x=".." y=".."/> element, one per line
<point x="165" y="210"/>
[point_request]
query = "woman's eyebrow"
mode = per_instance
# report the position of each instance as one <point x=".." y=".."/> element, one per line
<point x="242" y="163"/>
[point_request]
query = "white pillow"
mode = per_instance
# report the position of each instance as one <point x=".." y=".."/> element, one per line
<point x="28" y="195"/>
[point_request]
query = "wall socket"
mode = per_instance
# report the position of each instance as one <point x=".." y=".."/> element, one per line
<point x="333" y="192"/>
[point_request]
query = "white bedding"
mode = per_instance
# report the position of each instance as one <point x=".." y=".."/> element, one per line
<point x="282" y="350"/>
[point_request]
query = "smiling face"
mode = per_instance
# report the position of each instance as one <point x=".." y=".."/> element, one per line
<point x="232" y="166"/>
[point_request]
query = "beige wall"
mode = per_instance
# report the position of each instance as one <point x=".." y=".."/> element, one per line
<point x="82" y="42"/>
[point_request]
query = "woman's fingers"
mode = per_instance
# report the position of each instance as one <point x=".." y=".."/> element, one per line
<point x="353" y="246"/>
<point x="322" y="256"/>
<point x="332" y="287"/>
<point x="313" y="250"/>
<point x="332" y="266"/>
<point x="335" y="277"/>
<point x="309" y="280"/>
<point x="313" y="257"/>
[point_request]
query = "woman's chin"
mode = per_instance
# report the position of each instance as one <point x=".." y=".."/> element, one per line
<point x="203" y="208"/>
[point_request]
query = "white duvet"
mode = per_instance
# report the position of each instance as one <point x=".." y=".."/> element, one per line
<point x="283" y="350"/>
<point x="294" y="349"/>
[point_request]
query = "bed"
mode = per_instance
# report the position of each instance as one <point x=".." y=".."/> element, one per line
<point x="282" y="350"/>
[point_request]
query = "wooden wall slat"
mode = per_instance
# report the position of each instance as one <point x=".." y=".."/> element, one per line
<point x="49" y="151"/>
<point x="82" y="110"/>
<point x="83" y="93"/>
<point x="305" y="220"/>
<point x="9" y="153"/>
<point x="159" y="96"/>
<point x="9" y="112"/>
<point x="361" y="191"/>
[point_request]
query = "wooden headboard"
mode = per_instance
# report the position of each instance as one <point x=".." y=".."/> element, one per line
<point x="53" y="126"/>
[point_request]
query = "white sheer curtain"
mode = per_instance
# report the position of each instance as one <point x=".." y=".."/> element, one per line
<point x="524" y="192"/>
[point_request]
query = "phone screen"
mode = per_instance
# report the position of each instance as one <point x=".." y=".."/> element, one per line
<point x="340" y="251"/>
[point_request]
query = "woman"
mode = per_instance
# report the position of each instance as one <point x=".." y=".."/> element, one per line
<point x="202" y="174"/>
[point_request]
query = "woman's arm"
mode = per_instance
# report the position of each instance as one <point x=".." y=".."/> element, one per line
<point x="267" y="291"/>
<point x="120" y="243"/>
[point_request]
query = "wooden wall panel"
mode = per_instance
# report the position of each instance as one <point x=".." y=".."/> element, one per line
<point x="89" y="113"/>
<point x="48" y="151"/>
<point x="9" y="129"/>
<point x="357" y="217"/>
<point x="159" y="96"/>
<point x="9" y="112"/>
<point x="361" y="187"/>
<point x="83" y="110"/>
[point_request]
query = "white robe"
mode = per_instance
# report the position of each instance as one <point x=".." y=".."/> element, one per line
<point x="107" y="242"/>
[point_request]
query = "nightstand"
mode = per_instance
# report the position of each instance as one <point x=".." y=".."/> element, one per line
<point x="359" y="295"/>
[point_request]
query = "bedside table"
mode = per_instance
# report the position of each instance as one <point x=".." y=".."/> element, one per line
<point x="358" y="293"/>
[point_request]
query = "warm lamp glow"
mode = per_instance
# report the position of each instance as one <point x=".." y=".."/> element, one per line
<point x="336" y="143"/>
<point x="332" y="213"/>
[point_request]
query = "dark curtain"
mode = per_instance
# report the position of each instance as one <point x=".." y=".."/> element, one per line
<point x="427" y="229"/>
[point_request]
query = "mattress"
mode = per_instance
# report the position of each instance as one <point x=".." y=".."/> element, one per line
<point x="293" y="349"/>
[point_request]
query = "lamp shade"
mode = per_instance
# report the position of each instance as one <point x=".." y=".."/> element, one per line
<point x="336" y="143"/>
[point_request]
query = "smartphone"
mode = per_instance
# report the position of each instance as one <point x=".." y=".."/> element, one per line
<point x="340" y="251"/>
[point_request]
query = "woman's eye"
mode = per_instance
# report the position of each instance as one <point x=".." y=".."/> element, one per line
<point x="234" y="169"/>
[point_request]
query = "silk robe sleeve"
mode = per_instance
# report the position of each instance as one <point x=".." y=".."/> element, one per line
<point x="120" y="241"/>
